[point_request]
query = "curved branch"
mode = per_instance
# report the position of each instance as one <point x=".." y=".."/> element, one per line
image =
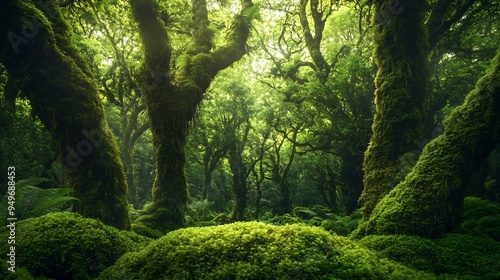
<point x="313" y="43"/>
<point x="226" y="55"/>
<point x="145" y="126"/>
<point x="154" y="33"/>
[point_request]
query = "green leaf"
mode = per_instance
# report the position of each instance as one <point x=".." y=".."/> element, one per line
<point x="32" y="201"/>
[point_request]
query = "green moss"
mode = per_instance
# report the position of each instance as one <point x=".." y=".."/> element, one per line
<point x="481" y="217"/>
<point x="466" y="255"/>
<point x="143" y="230"/>
<point x="416" y="252"/>
<point x="401" y="50"/>
<point x="19" y="274"/>
<point x="65" y="98"/>
<point x="454" y="256"/>
<point x="476" y="208"/>
<point x="68" y="246"/>
<point x="429" y="201"/>
<point x="256" y="251"/>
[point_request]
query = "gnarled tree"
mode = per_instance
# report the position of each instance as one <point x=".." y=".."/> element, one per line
<point x="43" y="64"/>
<point x="173" y="96"/>
<point x="429" y="201"/>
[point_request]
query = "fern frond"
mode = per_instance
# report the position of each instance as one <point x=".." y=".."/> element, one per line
<point x="48" y="200"/>
<point x="32" y="201"/>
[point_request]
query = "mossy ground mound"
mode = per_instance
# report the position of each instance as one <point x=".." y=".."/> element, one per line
<point x="256" y="250"/>
<point x="68" y="246"/>
<point x="473" y="252"/>
<point x="481" y="217"/>
<point x="454" y="256"/>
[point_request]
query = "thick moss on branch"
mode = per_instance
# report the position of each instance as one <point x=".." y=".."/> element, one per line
<point x="256" y="251"/>
<point x="171" y="106"/>
<point x="401" y="84"/>
<point x="66" y="100"/>
<point x="429" y="201"/>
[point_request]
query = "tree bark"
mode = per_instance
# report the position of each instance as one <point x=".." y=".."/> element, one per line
<point x="429" y="201"/>
<point x="38" y="55"/>
<point x="401" y="84"/>
<point x="172" y="101"/>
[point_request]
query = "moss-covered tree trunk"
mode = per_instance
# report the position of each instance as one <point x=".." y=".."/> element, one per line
<point x="400" y="52"/>
<point x="38" y="55"/>
<point x="429" y="201"/>
<point x="172" y="98"/>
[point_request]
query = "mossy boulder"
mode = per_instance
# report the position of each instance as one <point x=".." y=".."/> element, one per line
<point x="254" y="250"/>
<point x="67" y="246"/>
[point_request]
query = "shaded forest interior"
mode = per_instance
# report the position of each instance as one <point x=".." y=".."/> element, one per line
<point x="245" y="139"/>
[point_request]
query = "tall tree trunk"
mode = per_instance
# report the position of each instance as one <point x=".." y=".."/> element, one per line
<point x="132" y="132"/>
<point x="401" y="84"/>
<point x="429" y="201"/>
<point x="39" y="56"/>
<point x="171" y="105"/>
<point x="239" y="183"/>
<point x="207" y="181"/>
<point x="212" y="156"/>
<point x="127" y="156"/>
<point x="284" y="185"/>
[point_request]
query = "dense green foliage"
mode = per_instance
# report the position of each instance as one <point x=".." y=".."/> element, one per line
<point x="33" y="201"/>
<point x="333" y="128"/>
<point x="255" y="251"/>
<point x="68" y="246"/>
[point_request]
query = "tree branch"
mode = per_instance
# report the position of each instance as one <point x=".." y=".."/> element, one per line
<point x="154" y="33"/>
<point x="313" y="43"/>
<point x="201" y="33"/>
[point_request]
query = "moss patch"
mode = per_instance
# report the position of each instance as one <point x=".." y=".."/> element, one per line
<point x="256" y="250"/>
<point x="68" y="246"/>
<point x="468" y="254"/>
<point x="413" y="251"/>
<point x="481" y="217"/>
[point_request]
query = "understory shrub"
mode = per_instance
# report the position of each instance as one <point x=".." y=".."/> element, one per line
<point x="67" y="246"/>
<point x="254" y="250"/>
